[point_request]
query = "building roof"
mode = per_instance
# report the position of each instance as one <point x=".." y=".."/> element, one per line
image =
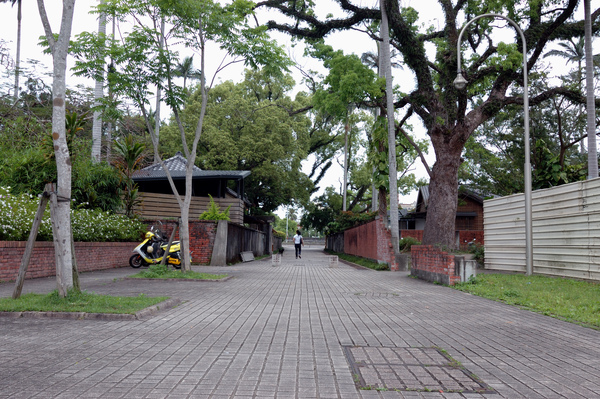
<point x="176" y="166"/>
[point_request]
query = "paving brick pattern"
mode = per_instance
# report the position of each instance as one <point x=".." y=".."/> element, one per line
<point x="280" y="332"/>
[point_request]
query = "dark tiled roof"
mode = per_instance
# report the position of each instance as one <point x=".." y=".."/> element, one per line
<point x="176" y="166"/>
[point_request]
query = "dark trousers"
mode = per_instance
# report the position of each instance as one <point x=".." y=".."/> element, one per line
<point x="298" y="249"/>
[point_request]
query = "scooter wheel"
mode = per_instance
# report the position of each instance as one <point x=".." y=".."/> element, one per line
<point x="136" y="261"/>
<point x="177" y="266"/>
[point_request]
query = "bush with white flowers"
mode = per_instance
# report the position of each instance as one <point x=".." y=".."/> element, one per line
<point x="18" y="211"/>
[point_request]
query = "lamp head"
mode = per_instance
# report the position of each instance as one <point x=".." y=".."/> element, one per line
<point x="460" y="82"/>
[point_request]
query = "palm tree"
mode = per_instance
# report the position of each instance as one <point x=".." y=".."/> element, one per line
<point x="98" y="95"/>
<point x="185" y="69"/>
<point x="575" y="51"/>
<point x="572" y="51"/>
<point x="18" y="57"/>
<point x="591" y="107"/>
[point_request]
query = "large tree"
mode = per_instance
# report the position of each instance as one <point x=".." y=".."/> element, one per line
<point x="252" y="125"/>
<point x="145" y="58"/>
<point x="450" y="116"/>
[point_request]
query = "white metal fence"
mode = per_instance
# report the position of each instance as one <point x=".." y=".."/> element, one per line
<point x="566" y="231"/>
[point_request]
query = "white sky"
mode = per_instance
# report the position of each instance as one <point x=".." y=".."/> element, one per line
<point x="349" y="42"/>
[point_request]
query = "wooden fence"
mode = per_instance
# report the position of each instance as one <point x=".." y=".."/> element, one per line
<point x="241" y="239"/>
<point x="161" y="206"/>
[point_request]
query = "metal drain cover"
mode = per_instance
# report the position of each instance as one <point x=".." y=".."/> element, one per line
<point x="410" y="369"/>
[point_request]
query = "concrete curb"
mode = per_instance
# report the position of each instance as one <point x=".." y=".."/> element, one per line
<point x="142" y="314"/>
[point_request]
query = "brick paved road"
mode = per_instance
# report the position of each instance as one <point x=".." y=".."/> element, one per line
<point x="287" y="332"/>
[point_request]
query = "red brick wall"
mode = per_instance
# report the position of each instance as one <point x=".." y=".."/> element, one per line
<point x="417" y="234"/>
<point x="372" y="241"/>
<point x="90" y="256"/>
<point x="432" y="264"/>
<point x="465" y="237"/>
<point x="202" y="238"/>
<point x="97" y="255"/>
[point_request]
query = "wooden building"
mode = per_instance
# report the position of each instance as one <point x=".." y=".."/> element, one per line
<point x="225" y="186"/>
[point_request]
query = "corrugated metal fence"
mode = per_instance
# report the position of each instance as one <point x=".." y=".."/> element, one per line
<point x="566" y="231"/>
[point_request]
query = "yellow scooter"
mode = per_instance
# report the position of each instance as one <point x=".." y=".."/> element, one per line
<point x="152" y="249"/>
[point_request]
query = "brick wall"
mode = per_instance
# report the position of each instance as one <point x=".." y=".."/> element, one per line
<point x="90" y="256"/>
<point x="202" y="238"/>
<point x="432" y="264"/>
<point x="416" y="234"/>
<point x="98" y="255"/>
<point x="372" y="241"/>
<point x="465" y="237"/>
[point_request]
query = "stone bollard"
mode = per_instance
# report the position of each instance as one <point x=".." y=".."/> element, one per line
<point x="276" y="260"/>
<point x="333" y="261"/>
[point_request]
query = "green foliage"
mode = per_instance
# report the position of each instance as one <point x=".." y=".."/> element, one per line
<point x="348" y="83"/>
<point x="346" y="220"/>
<point x="159" y="271"/>
<point x="279" y="234"/>
<point x="550" y="173"/>
<point x="214" y="212"/>
<point x="478" y="251"/>
<point x="247" y="127"/>
<point x="129" y="156"/>
<point x="96" y="185"/>
<point x="17" y="213"/>
<point x="407" y="242"/>
<point x="572" y="300"/>
<point x="78" y="301"/>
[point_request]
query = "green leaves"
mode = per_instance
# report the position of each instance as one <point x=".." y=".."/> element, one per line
<point x="349" y="82"/>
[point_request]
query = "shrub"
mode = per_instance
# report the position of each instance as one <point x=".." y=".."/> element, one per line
<point x="18" y="211"/>
<point x="407" y="242"/>
<point x="214" y="213"/>
<point x="478" y="252"/>
<point x="346" y="220"/>
<point x="279" y="234"/>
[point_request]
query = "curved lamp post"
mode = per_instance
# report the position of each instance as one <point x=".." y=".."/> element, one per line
<point x="460" y="83"/>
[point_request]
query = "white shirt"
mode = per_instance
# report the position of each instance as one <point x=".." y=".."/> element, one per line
<point x="297" y="239"/>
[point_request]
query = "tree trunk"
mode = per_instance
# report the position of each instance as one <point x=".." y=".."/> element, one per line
<point x="18" y="57"/>
<point x="591" y="106"/>
<point x="389" y="94"/>
<point x="61" y="219"/>
<point x="184" y="236"/>
<point x="98" y="94"/>
<point x="443" y="194"/>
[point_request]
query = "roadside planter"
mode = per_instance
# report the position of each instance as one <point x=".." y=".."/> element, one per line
<point x="432" y="264"/>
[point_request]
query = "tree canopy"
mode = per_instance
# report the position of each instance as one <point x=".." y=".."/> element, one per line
<point x="491" y="69"/>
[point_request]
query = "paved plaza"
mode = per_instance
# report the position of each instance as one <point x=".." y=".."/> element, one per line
<point x="299" y="330"/>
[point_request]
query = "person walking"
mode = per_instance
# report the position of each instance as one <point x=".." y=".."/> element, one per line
<point x="298" y="243"/>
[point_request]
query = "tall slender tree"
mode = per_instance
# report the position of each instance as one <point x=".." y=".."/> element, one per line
<point x="18" y="55"/>
<point x="98" y="95"/>
<point x="61" y="219"/>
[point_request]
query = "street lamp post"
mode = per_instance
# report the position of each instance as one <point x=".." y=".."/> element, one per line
<point x="460" y="83"/>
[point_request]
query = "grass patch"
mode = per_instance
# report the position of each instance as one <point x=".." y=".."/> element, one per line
<point x="164" y="272"/>
<point x="571" y="300"/>
<point x="78" y="302"/>
<point x="361" y="261"/>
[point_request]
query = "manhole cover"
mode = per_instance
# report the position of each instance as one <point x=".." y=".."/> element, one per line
<point x="410" y="369"/>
